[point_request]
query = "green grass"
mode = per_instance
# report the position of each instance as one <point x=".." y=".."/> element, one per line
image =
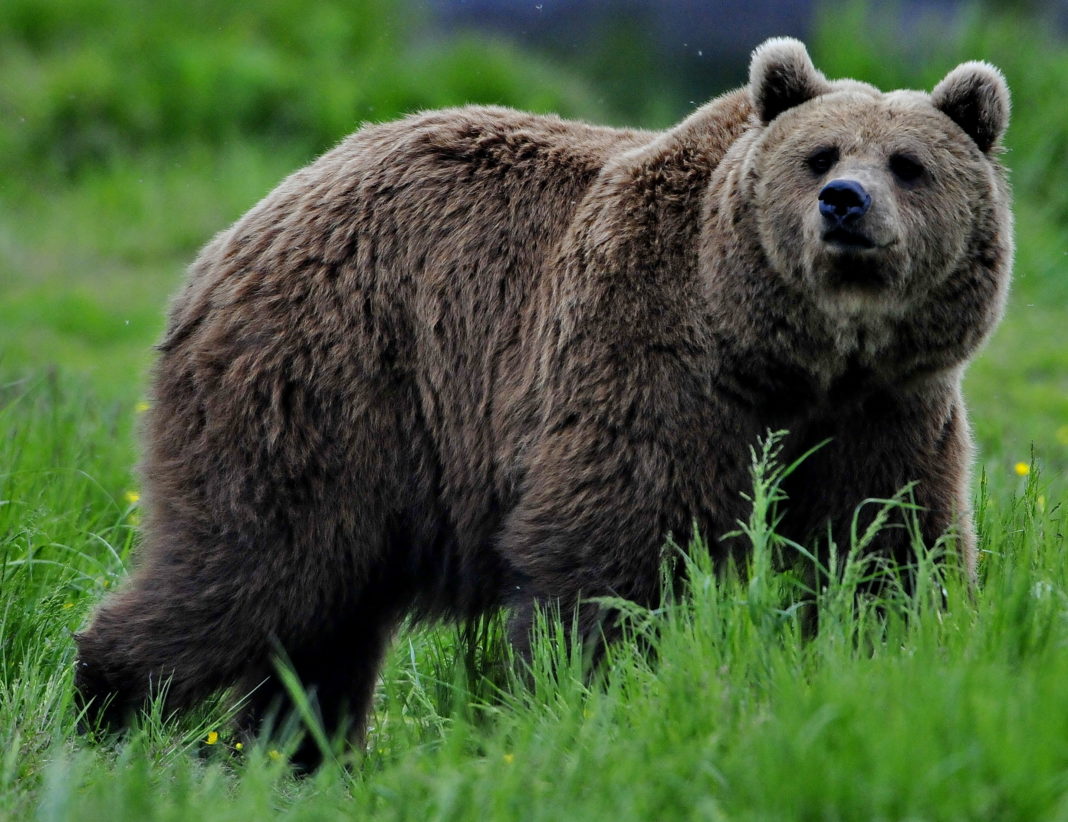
<point x="937" y="706"/>
<point x="901" y="708"/>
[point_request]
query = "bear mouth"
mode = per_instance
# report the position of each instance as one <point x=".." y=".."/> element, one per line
<point x="860" y="272"/>
<point x="848" y="239"/>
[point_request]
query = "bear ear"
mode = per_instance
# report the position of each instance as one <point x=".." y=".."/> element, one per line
<point x="781" y="76"/>
<point x="975" y="96"/>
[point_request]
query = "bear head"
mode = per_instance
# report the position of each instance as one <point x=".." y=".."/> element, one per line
<point x="870" y="202"/>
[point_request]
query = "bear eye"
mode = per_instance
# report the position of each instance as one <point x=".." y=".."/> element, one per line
<point x="905" y="168"/>
<point x="821" y="161"/>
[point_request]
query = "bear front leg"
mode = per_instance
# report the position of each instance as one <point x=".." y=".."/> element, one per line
<point x="592" y="521"/>
<point x="892" y="442"/>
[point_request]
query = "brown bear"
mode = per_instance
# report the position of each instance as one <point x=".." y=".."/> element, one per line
<point x="479" y="358"/>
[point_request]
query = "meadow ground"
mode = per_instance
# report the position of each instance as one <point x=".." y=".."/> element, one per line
<point x="942" y="705"/>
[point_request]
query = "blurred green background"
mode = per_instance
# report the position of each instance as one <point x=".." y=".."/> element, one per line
<point x="131" y="132"/>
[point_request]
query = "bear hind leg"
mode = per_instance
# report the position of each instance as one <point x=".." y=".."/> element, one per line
<point x="337" y="673"/>
<point x="153" y="639"/>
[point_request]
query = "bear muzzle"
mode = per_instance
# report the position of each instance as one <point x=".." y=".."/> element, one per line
<point x="842" y="204"/>
<point x="859" y="250"/>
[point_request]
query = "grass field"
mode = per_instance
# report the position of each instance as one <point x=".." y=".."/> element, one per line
<point x="943" y="705"/>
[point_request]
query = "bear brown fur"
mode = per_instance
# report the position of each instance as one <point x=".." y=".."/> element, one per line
<point x="479" y="358"/>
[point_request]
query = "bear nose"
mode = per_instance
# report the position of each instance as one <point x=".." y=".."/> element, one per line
<point x="844" y="201"/>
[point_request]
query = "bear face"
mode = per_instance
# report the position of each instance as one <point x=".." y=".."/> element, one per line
<point x="871" y="206"/>
<point x="867" y="201"/>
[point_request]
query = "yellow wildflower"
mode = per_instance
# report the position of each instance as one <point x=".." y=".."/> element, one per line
<point x="239" y="746"/>
<point x="68" y="604"/>
<point x="142" y="407"/>
<point x="274" y="754"/>
<point x="1022" y="468"/>
<point x="213" y="737"/>
<point x="133" y="497"/>
<point x="509" y="758"/>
